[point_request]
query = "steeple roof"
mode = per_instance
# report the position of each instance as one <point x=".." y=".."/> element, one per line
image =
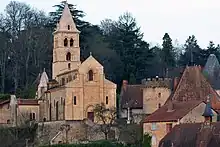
<point x="208" y="109"/>
<point x="66" y="22"/>
<point x="43" y="79"/>
<point x="212" y="71"/>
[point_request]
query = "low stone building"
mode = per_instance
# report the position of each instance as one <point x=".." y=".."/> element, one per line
<point x="190" y="91"/>
<point x="164" y="119"/>
<point x="144" y="99"/>
<point x="16" y="111"/>
<point x="204" y="134"/>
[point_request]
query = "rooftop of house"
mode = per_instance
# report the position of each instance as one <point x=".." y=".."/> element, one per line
<point x="21" y="102"/>
<point x="132" y="96"/>
<point x="193" y="135"/>
<point x="172" y="111"/>
<point x="212" y="71"/>
<point x="194" y="86"/>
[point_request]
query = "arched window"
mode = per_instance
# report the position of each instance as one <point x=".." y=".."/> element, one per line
<point x="68" y="27"/>
<point x="159" y="95"/>
<point x="68" y="56"/>
<point x="71" y="42"/>
<point x="65" y="42"/>
<point x="90" y="75"/>
<point x="69" y="66"/>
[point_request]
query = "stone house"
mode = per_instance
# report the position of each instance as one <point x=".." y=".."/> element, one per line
<point x="191" y="92"/>
<point x="204" y="134"/>
<point x="17" y="111"/>
<point x="76" y="87"/>
<point x="137" y="101"/>
<point x="164" y="119"/>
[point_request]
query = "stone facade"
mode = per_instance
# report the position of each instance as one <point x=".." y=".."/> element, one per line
<point x="154" y="98"/>
<point x="159" y="129"/>
<point x="79" y="86"/>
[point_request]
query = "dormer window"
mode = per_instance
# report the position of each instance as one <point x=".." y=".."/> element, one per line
<point x="71" y="42"/>
<point x="68" y="56"/>
<point x="65" y="42"/>
<point x="90" y="75"/>
<point x="68" y="27"/>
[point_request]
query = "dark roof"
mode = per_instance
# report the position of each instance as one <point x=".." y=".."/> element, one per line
<point x="27" y="102"/>
<point x="194" y="86"/>
<point x="212" y="71"/>
<point x="193" y="135"/>
<point x="167" y="113"/>
<point x="132" y="95"/>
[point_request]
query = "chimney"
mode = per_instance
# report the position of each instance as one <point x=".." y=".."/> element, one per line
<point x="124" y="84"/>
<point x="175" y="83"/>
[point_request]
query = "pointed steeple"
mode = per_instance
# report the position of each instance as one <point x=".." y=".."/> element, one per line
<point x="208" y="111"/>
<point x="66" y="22"/>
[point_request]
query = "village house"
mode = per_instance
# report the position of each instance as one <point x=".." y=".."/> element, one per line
<point x="17" y="111"/>
<point x="137" y="101"/>
<point x="185" y="105"/>
<point x="204" y="134"/>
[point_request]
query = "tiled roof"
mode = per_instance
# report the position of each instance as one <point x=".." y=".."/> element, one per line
<point x="27" y="102"/>
<point x="194" y="86"/>
<point x="132" y="95"/>
<point x="179" y="110"/>
<point x="193" y="135"/>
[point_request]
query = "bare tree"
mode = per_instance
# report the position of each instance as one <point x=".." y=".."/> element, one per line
<point x="105" y="117"/>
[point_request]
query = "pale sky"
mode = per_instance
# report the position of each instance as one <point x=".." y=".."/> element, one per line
<point x="179" y="18"/>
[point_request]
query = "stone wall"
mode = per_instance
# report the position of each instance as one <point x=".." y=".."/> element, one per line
<point x="57" y="132"/>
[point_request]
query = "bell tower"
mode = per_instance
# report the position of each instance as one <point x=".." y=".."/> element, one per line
<point x="66" y="51"/>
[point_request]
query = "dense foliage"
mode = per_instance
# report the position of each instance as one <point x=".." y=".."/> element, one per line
<point x="26" y="48"/>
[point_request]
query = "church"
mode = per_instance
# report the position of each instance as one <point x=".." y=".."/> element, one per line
<point x="76" y="86"/>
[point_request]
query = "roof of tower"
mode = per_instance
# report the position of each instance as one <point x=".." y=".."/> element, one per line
<point x="193" y="86"/>
<point x="212" y="71"/>
<point x="66" y="22"/>
<point x="43" y="79"/>
<point x="208" y="109"/>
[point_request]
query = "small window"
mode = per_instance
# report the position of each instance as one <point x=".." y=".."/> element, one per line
<point x="8" y="106"/>
<point x="74" y="100"/>
<point x="8" y="121"/>
<point x="159" y="95"/>
<point x="68" y="27"/>
<point x="33" y="116"/>
<point x="63" y="81"/>
<point x="68" y="56"/>
<point x="168" y="127"/>
<point x="70" y="78"/>
<point x="153" y="127"/>
<point x="44" y="119"/>
<point x="159" y="105"/>
<point x="69" y="66"/>
<point x="71" y="42"/>
<point x="106" y="100"/>
<point x="65" y="42"/>
<point x="90" y="75"/>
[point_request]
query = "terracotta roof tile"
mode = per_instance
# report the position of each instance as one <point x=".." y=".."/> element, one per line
<point x="180" y="109"/>
<point x="27" y="102"/>
<point x="133" y="96"/>
<point x="193" y="135"/>
<point x="194" y="86"/>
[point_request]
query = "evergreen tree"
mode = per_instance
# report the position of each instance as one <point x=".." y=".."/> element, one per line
<point x="192" y="53"/>
<point x="167" y="53"/>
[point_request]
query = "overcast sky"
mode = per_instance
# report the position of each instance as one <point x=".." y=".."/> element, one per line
<point x="179" y="18"/>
